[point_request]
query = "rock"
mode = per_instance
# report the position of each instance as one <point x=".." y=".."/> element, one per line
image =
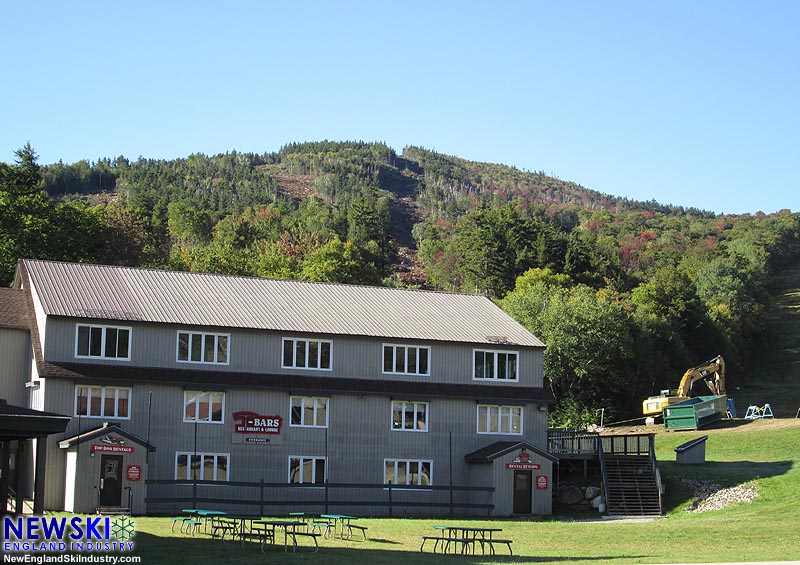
<point x="596" y="502"/>
<point x="711" y="496"/>
<point x="591" y="493"/>
<point x="568" y="494"/>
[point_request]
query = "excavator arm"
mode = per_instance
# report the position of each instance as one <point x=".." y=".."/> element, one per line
<point x="712" y="372"/>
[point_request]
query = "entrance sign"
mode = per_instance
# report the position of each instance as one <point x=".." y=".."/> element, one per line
<point x="134" y="472"/>
<point x="112" y="448"/>
<point x="541" y="482"/>
<point x="523" y="466"/>
<point x="253" y="423"/>
<point x="522" y="463"/>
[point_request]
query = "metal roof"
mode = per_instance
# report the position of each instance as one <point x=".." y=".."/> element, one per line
<point x="173" y="297"/>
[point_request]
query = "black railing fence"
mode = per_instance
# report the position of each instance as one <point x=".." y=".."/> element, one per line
<point x="263" y="498"/>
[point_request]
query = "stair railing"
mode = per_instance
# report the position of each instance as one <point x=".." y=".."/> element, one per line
<point x="601" y="454"/>
<point x="657" y="473"/>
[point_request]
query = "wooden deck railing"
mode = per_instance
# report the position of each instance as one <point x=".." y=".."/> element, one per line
<point x="572" y="442"/>
<point x="567" y="442"/>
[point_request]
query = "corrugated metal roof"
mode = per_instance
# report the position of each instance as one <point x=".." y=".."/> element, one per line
<point x="128" y="294"/>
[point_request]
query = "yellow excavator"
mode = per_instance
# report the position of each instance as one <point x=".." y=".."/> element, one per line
<point x="712" y="372"/>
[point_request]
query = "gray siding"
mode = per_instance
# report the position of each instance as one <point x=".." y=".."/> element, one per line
<point x="15" y="365"/>
<point x="356" y="443"/>
<point x="253" y="351"/>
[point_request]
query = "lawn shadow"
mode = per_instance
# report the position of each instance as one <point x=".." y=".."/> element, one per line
<point x="202" y="550"/>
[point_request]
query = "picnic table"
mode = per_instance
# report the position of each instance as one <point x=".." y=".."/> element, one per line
<point x="341" y="523"/>
<point x="289" y="531"/>
<point x="466" y="537"/>
<point x="196" y="518"/>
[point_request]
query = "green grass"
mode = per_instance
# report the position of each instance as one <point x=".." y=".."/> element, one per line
<point x="765" y="452"/>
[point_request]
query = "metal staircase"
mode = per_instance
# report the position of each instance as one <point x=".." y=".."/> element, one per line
<point x="632" y="485"/>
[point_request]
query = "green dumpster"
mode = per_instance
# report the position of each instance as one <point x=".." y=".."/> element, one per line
<point x="694" y="413"/>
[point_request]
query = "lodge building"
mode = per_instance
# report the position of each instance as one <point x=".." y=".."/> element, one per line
<point x="274" y="395"/>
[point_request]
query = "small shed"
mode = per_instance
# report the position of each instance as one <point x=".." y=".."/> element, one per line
<point x="692" y="452"/>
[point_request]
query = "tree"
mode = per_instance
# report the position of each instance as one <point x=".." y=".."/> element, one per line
<point x="26" y="214"/>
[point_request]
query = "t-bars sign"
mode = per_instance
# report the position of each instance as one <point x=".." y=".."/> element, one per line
<point x="253" y="423"/>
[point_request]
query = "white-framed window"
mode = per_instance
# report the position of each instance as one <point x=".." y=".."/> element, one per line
<point x="406" y="360"/>
<point x="307" y="470"/>
<point x="494" y="365"/>
<point x="190" y="466"/>
<point x="204" y="406"/>
<point x="103" y="342"/>
<point x="494" y="419"/>
<point x="103" y="402"/>
<point x="308" y="411"/>
<point x="409" y="416"/>
<point x="307" y="354"/>
<point x="198" y="347"/>
<point x="411" y="472"/>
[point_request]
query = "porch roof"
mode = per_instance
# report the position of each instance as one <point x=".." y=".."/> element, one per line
<point x="500" y="448"/>
<point x="17" y="422"/>
<point x="105" y="429"/>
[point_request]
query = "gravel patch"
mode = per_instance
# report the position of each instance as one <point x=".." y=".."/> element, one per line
<point x="711" y="496"/>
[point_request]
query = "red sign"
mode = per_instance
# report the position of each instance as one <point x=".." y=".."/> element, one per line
<point x="134" y="472"/>
<point x="541" y="482"/>
<point x="523" y="466"/>
<point x="252" y="423"/>
<point x="112" y="448"/>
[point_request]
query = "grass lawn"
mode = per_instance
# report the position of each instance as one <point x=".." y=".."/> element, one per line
<point x="765" y="452"/>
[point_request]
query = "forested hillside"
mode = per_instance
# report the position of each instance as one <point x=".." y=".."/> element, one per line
<point x="626" y="294"/>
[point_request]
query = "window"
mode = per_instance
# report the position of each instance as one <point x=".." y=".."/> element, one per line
<point x="191" y="466"/>
<point x="499" y="419"/>
<point x="495" y="365"/>
<point x="102" y="402"/>
<point x="194" y="347"/>
<point x="306" y="470"/>
<point x="307" y="354"/>
<point x="203" y="406"/>
<point x="412" y="472"/>
<point x="103" y="342"/>
<point x="406" y="360"/>
<point x="410" y="416"/>
<point x="309" y="412"/>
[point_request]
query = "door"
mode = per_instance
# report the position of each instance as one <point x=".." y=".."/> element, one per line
<point x="522" y="492"/>
<point x="111" y="480"/>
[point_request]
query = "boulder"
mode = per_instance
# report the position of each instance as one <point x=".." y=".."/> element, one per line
<point x="596" y="502"/>
<point x="569" y="494"/>
<point x="592" y="492"/>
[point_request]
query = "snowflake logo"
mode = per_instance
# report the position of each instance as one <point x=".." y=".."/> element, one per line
<point x="122" y="528"/>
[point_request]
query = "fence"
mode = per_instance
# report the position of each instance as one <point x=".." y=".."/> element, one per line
<point x="262" y="498"/>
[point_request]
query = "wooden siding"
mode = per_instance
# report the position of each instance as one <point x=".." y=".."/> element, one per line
<point x="253" y="351"/>
<point x="15" y="353"/>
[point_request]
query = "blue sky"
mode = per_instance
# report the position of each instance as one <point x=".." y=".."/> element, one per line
<point x="685" y="102"/>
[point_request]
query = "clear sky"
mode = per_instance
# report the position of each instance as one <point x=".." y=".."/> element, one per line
<point x="687" y="102"/>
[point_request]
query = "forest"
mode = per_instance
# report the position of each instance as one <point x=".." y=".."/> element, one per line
<point x="627" y="295"/>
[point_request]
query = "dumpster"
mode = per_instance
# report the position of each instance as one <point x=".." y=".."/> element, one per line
<point x="694" y="413"/>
